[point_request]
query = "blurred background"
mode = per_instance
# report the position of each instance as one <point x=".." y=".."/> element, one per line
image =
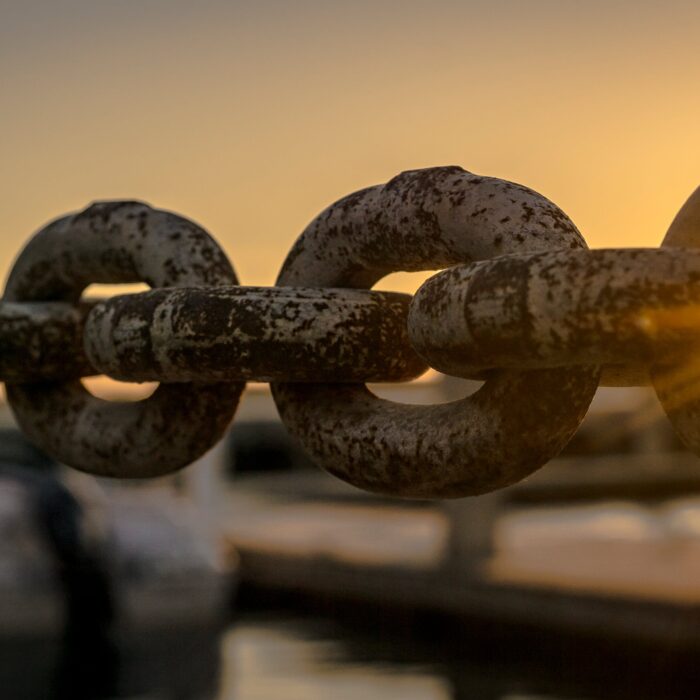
<point x="252" y="574"/>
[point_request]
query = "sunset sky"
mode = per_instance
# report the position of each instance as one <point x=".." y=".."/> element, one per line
<point x="250" y="117"/>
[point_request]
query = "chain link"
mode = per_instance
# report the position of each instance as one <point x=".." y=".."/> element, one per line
<point x="112" y="243"/>
<point x="219" y="334"/>
<point x="630" y="308"/>
<point x="523" y="305"/>
<point x="423" y="220"/>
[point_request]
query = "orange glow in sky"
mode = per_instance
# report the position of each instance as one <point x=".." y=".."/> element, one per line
<point x="251" y="117"/>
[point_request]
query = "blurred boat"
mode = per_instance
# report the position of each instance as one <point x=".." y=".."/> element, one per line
<point x="106" y="589"/>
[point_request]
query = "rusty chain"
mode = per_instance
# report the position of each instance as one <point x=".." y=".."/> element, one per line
<point x="523" y="305"/>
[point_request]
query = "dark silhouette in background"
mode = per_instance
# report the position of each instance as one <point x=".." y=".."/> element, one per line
<point x="88" y="662"/>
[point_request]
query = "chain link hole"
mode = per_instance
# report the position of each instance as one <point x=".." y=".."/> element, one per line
<point x="112" y="390"/>
<point x="104" y="291"/>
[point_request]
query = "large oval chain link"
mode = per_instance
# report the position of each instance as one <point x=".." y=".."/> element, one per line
<point x="516" y="422"/>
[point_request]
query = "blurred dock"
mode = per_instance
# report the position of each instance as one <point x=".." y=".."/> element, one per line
<point x="602" y="543"/>
<point x="605" y="569"/>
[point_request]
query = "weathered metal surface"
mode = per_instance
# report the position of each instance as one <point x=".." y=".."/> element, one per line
<point x="677" y="383"/>
<point x="253" y="333"/>
<point x="114" y="242"/>
<point x="42" y="340"/>
<point x="428" y="219"/>
<point x="634" y="306"/>
<point x="527" y="308"/>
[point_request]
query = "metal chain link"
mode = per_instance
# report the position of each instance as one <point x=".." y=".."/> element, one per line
<point x="523" y="305"/>
<point x="111" y="243"/>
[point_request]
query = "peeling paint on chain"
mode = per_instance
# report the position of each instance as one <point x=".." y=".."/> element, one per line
<point x="116" y="242"/>
<point x="422" y="220"/>
<point x="253" y="333"/>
